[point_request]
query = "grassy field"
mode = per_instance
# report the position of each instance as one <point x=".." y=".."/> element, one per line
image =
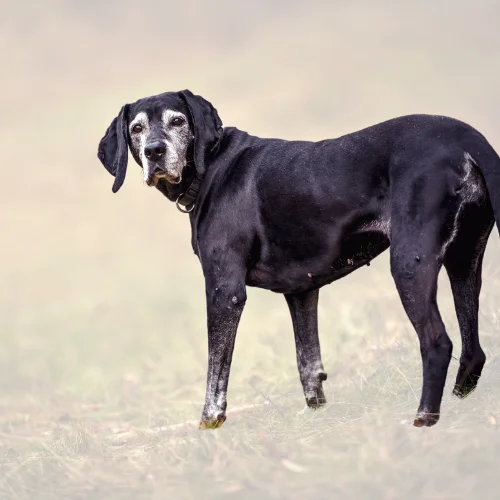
<point x="102" y="317"/>
<point x="89" y="408"/>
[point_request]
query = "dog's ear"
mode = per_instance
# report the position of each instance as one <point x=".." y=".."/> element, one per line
<point x="207" y="128"/>
<point x="113" y="148"/>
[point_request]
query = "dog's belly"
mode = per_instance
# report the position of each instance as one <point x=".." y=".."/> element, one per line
<point x="332" y="263"/>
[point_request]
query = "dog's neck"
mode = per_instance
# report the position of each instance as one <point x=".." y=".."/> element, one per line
<point x="188" y="197"/>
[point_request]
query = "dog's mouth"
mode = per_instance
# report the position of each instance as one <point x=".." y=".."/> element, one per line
<point x="152" y="179"/>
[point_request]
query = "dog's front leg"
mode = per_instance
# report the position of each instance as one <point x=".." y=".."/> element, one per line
<point x="225" y="301"/>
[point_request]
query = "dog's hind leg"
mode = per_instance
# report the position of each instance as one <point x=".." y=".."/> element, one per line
<point x="418" y="236"/>
<point x="415" y="271"/>
<point x="304" y="311"/>
<point x="463" y="262"/>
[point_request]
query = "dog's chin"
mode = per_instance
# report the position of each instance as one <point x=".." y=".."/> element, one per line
<point x="171" y="179"/>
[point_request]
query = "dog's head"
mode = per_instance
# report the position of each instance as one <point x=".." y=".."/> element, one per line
<point x="164" y="133"/>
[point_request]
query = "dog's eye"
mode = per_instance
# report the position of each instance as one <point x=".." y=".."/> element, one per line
<point x="137" y="128"/>
<point x="177" y="121"/>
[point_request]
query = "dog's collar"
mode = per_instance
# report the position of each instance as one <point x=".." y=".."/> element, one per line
<point x="188" y="198"/>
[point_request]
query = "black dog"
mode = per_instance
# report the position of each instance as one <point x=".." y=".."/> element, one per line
<point x="293" y="216"/>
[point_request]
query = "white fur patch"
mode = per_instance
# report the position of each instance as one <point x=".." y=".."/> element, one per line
<point x="472" y="192"/>
<point x="169" y="114"/>
<point x="177" y="138"/>
<point x="141" y="119"/>
<point x="473" y="189"/>
<point x="213" y="408"/>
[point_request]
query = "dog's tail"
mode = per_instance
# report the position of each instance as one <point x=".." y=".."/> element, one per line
<point x="487" y="161"/>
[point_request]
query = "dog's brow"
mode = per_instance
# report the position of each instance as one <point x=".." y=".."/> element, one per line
<point x="141" y="117"/>
<point x="168" y="114"/>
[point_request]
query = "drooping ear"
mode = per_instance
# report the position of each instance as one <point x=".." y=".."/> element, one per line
<point x="113" y="148"/>
<point x="207" y="128"/>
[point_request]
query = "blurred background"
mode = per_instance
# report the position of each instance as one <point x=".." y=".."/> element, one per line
<point x="102" y="314"/>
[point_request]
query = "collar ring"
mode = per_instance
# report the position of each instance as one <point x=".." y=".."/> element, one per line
<point x="186" y="210"/>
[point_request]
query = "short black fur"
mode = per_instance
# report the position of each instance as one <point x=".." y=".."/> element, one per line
<point x="293" y="216"/>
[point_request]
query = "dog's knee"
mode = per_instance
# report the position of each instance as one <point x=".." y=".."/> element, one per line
<point x="226" y="296"/>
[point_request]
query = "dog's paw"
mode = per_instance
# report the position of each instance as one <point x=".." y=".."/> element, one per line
<point x="212" y="423"/>
<point x="465" y="388"/>
<point x="315" y="399"/>
<point x="424" y="419"/>
<point x="315" y="403"/>
<point x="313" y="391"/>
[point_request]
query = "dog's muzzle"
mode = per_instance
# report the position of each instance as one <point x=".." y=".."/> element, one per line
<point x="155" y="164"/>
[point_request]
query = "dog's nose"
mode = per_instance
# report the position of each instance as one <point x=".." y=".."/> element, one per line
<point x="155" y="150"/>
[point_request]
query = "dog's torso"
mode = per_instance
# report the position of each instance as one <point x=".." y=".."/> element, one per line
<point x="307" y="213"/>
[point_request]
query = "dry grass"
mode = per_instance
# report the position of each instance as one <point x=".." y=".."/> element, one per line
<point x="97" y="417"/>
<point x="102" y="334"/>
